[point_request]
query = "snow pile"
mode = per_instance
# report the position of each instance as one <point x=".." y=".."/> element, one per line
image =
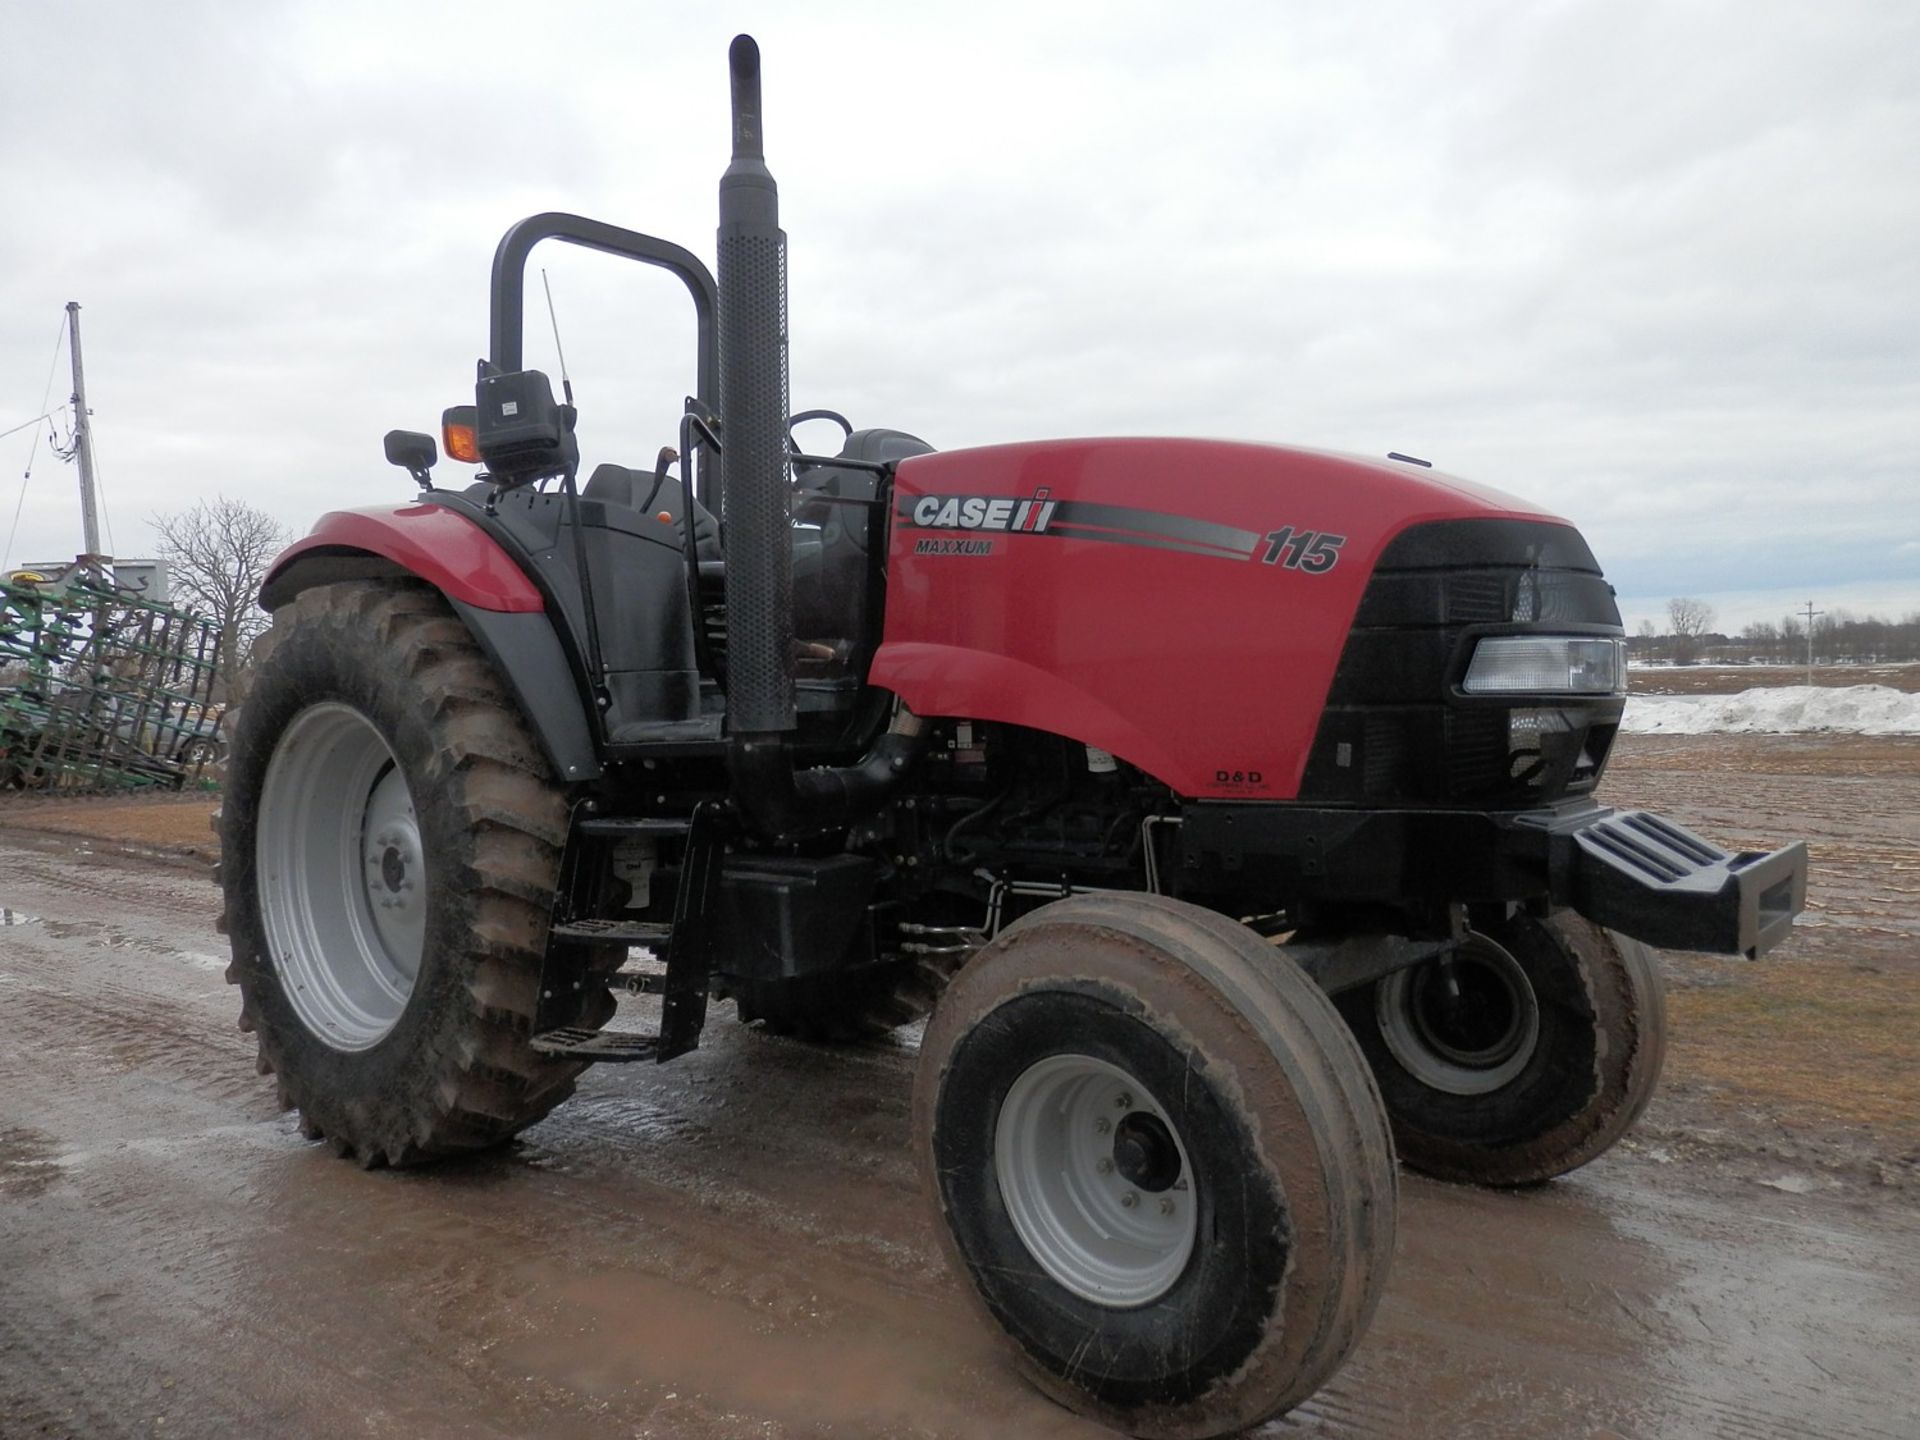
<point x="1857" y="709"/>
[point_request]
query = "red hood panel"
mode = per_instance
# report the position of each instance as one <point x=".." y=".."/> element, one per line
<point x="1180" y="603"/>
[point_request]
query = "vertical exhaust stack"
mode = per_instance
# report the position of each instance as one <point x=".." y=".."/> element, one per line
<point x="757" y="505"/>
<point x="757" y="510"/>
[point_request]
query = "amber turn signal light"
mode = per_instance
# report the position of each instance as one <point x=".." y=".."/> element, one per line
<point x="457" y="437"/>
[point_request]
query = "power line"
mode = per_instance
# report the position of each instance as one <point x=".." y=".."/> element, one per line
<point x="53" y="365"/>
<point x="33" y="450"/>
<point x="6" y="556"/>
<point x="14" y="430"/>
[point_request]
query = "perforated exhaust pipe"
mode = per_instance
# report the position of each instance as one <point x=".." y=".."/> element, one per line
<point x="757" y="518"/>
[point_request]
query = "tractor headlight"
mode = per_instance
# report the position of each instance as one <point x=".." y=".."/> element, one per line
<point x="1547" y="665"/>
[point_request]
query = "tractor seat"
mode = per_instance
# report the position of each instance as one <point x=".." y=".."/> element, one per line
<point x="619" y="485"/>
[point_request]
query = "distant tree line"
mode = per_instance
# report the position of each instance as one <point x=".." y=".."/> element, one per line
<point x="1839" y="638"/>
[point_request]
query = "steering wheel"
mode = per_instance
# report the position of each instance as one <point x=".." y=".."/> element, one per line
<point x="795" y="421"/>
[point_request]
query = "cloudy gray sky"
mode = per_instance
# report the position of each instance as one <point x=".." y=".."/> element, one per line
<point x="1655" y="265"/>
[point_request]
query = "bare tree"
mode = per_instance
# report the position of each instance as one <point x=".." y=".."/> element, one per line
<point x="217" y="554"/>
<point x="1688" y="619"/>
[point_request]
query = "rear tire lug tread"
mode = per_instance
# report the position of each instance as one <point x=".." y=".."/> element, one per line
<point x="516" y="817"/>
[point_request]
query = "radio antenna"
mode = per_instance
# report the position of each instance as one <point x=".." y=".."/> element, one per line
<point x="566" y="385"/>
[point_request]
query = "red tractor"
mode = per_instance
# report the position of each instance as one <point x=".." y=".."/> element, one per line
<point x="1234" y="803"/>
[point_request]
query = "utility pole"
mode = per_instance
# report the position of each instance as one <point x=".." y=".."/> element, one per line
<point x="1811" y="612"/>
<point x="82" y="433"/>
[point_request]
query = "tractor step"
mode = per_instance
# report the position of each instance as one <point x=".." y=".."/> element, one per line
<point x="626" y="932"/>
<point x="633" y="827"/>
<point x="682" y="951"/>
<point x="603" y="1046"/>
<point x="701" y="732"/>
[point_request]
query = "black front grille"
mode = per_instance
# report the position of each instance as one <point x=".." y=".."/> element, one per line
<point x="1397" y="728"/>
<point x="1477" y="597"/>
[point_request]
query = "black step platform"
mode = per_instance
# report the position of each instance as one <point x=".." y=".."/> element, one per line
<point x="604" y="1046"/>
<point x="701" y="731"/>
<point x="632" y="827"/>
<point x="628" y="932"/>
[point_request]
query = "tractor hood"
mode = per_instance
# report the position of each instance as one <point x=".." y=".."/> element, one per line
<point x="1182" y="604"/>
<point x="1221" y="483"/>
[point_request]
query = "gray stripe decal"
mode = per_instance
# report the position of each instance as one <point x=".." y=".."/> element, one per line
<point x="1151" y="542"/>
<point x="1156" y="522"/>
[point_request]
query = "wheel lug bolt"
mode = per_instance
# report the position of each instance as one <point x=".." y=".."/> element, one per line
<point x="1103" y="1165"/>
<point x="1166" y="1206"/>
<point x="1123" y="1101"/>
<point x="1102" y="1125"/>
<point x="1129" y="1200"/>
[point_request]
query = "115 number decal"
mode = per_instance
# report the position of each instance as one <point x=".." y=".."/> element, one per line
<point x="1309" y="551"/>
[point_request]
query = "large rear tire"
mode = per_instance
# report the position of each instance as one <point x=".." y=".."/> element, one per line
<point x="390" y="841"/>
<point x="1529" y="1053"/>
<point x="1160" y="1162"/>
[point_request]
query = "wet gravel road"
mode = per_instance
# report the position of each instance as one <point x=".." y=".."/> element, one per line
<point x="732" y="1245"/>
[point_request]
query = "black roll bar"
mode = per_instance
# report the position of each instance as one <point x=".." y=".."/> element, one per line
<point x="507" y="298"/>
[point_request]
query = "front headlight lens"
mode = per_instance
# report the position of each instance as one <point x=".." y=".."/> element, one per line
<point x="1547" y="665"/>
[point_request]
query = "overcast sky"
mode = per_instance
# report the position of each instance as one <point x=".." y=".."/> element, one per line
<point x="1656" y="266"/>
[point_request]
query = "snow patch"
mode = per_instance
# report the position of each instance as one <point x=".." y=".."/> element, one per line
<point x="1773" y="710"/>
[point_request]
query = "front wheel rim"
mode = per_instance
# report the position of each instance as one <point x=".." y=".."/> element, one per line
<point x="1466" y="1023"/>
<point x="1096" y="1180"/>
<point x="342" y="876"/>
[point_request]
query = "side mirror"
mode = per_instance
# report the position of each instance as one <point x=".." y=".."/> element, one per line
<point x="413" y="452"/>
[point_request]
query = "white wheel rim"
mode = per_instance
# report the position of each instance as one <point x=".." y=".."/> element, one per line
<point x="1464" y="1029"/>
<point x="342" y="876"/>
<point x="1068" y="1150"/>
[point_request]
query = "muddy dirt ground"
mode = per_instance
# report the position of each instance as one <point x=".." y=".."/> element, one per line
<point x="732" y="1245"/>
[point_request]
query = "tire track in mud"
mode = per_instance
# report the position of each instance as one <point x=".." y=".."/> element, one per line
<point x="126" y="1028"/>
<point x="128" y="889"/>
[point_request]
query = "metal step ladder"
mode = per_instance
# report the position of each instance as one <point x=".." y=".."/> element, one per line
<point x="683" y="949"/>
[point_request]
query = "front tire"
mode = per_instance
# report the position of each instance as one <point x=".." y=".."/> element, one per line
<point x="390" y="841"/>
<point x="1526" y="1053"/>
<point x="1160" y="1161"/>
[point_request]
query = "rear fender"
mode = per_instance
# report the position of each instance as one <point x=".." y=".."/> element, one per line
<point x="444" y="548"/>
<point x="501" y="607"/>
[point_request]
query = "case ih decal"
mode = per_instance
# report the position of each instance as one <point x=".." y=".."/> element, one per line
<point x="982" y="512"/>
<point x="1309" y="551"/>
